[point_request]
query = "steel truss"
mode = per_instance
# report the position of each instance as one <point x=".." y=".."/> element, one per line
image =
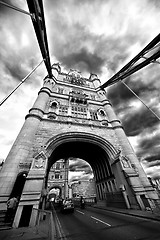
<point x="133" y="66"/>
<point x="38" y="20"/>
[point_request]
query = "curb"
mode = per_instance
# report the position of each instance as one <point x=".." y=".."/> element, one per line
<point x="127" y="213"/>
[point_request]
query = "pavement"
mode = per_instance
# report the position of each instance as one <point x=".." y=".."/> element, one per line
<point x="148" y="214"/>
<point x="39" y="232"/>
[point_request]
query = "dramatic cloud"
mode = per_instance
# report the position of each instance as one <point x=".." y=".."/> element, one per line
<point x="138" y="121"/>
<point x="79" y="170"/>
<point x="98" y="36"/>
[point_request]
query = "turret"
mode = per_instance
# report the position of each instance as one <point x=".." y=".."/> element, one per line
<point x="56" y="69"/>
<point x="96" y="81"/>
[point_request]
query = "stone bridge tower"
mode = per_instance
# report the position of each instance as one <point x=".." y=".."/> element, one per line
<point x="58" y="177"/>
<point x="72" y="117"/>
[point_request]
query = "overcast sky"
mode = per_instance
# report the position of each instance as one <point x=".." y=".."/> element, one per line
<point x="98" y="36"/>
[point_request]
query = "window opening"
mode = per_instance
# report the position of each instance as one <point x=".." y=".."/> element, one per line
<point x="56" y="176"/>
<point x="57" y="166"/>
<point x="93" y="115"/>
<point x="102" y="112"/>
<point x="63" y="109"/>
<point x="93" y="97"/>
<point x="60" y="90"/>
<point x="53" y="105"/>
<point x="79" y="111"/>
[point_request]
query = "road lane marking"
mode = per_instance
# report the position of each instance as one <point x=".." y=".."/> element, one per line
<point x="80" y="212"/>
<point x="101" y="221"/>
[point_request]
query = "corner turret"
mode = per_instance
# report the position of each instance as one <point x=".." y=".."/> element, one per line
<point x="56" y="69"/>
<point x="96" y="81"/>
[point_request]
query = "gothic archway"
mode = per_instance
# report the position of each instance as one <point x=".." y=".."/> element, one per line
<point x="52" y="191"/>
<point x="98" y="152"/>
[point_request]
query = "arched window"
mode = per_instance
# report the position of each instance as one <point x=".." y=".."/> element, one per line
<point x="54" y="104"/>
<point x="101" y="112"/>
<point x="57" y="166"/>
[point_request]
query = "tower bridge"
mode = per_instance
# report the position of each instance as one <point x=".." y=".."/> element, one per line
<point x="72" y="117"/>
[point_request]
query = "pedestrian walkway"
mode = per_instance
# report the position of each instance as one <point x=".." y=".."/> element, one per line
<point x="25" y="233"/>
<point x="148" y="214"/>
<point x="39" y="232"/>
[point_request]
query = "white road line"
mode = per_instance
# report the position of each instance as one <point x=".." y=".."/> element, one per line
<point x="80" y="212"/>
<point x="101" y="221"/>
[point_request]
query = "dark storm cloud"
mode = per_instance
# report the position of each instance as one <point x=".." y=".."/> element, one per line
<point x="83" y="176"/>
<point x="15" y="69"/>
<point x="4" y="9"/>
<point x="154" y="163"/>
<point x="119" y="96"/>
<point x="149" y="143"/>
<point x="88" y="52"/>
<point x="83" y="60"/>
<point x="148" y="147"/>
<point x="19" y="51"/>
<point x="79" y="165"/>
<point x="139" y="120"/>
<point x="74" y="45"/>
<point x="142" y="85"/>
<point x="152" y="159"/>
<point x="156" y="3"/>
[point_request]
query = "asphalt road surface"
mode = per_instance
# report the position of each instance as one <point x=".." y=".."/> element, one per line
<point x="98" y="224"/>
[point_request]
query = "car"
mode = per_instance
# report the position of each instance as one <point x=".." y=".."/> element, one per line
<point x="67" y="206"/>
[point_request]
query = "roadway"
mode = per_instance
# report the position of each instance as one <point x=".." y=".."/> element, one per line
<point x="92" y="223"/>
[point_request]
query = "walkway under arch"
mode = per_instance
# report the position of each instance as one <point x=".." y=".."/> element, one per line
<point x="97" y="151"/>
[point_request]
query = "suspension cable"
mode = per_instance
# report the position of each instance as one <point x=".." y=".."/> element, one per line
<point x="22" y="81"/>
<point x="141" y="100"/>
<point x="16" y="8"/>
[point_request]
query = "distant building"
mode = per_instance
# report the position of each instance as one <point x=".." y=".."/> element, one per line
<point x="85" y="188"/>
<point x="58" y="178"/>
<point x="155" y="184"/>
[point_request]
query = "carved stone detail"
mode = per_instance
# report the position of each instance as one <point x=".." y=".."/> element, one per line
<point x="125" y="161"/>
<point x="39" y="161"/>
<point x="74" y="77"/>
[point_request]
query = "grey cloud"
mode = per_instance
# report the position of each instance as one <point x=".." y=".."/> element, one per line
<point x="138" y="121"/>
<point x="156" y="3"/>
<point x="83" y="60"/>
<point x="152" y="158"/>
<point x="155" y="162"/>
<point x="74" y="45"/>
<point x="79" y="165"/>
<point x="149" y="143"/>
<point x="18" y="55"/>
<point x="83" y="176"/>
<point x="148" y="147"/>
<point x="153" y="174"/>
<point x="4" y="9"/>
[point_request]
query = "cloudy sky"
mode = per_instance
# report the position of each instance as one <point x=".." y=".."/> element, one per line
<point x="98" y="36"/>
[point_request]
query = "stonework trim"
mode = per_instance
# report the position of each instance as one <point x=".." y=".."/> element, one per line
<point x="33" y="115"/>
<point x="39" y="162"/>
<point x="37" y="109"/>
<point x="45" y="90"/>
<point x="81" y="136"/>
